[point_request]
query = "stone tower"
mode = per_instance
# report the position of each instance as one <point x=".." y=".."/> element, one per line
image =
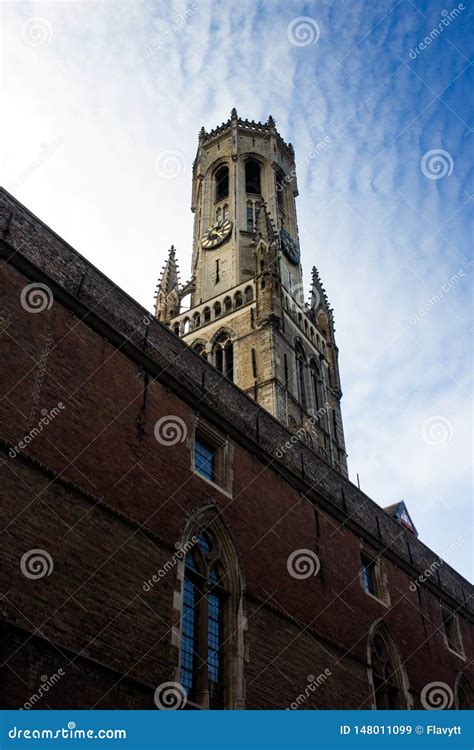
<point x="247" y="313"/>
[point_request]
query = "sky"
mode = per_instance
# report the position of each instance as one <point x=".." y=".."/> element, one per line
<point x="104" y="102"/>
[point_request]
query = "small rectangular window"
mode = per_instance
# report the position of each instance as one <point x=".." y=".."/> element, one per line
<point x="204" y="460"/>
<point x="211" y="456"/>
<point x="451" y="631"/>
<point x="249" y="218"/>
<point x="371" y="576"/>
<point x="368" y="572"/>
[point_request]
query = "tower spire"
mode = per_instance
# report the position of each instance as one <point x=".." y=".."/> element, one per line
<point x="167" y="291"/>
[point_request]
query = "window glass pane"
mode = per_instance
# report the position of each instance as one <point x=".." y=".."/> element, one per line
<point x="214" y="644"/>
<point x="368" y="576"/>
<point x="204" y="459"/>
<point x="204" y="542"/>
<point x="188" y="637"/>
<point x="249" y="218"/>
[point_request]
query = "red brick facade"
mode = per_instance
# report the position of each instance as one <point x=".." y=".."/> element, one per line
<point x="108" y="502"/>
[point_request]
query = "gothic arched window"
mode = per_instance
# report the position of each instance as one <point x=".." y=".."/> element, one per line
<point x="227" y="304"/>
<point x="200" y="349"/>
<point x="248" y="294"/>
<point x="252" y="177"/>
<point x="222" y="183"/>
<point x="211" y="639"/>
<point x="196" y="320"/>
<point x="463" y="693"/>
<point x="317" y="383"/>
<point x="249" y="216"/>
<point x="300" y="359"/>
<point x="223" y="352"/>
<point x="238" y="299"/>
<point x="217" y="309"/>
<point x="206" y="314"/>
<point x="387" y="677"/>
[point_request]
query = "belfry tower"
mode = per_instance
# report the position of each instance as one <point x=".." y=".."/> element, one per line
<point x="248" y="314"/>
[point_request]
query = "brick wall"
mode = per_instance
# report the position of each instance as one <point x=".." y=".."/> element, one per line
<point x="108" y="502"/>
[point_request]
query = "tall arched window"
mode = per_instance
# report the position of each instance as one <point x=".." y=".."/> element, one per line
<point x="227" y="304"/>
<point x="200" y="349"/>
<point x="248" y="294"/>
<point x="316" y="381"/>
<point x="252" y="177"/>
<point x="223" y="352"/>
<point x="463" y="693"/>
<point x="206" y="313"/>
<point x="387" y="675"/>
<point x="300" y="377"/>
<point x="222" y="183"/>
<point x="211" y="632"/>
<point x="238" y="299"/>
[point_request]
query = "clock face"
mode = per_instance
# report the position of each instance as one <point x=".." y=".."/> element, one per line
<point x="216" y="234"/>
<point x="290" y="247"/>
